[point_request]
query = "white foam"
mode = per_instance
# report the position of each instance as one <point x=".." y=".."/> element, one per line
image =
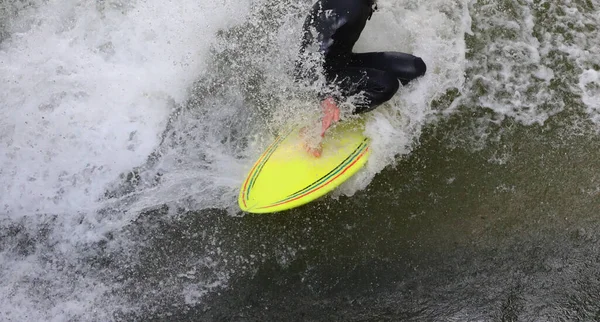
<point x="85" y="94"/>
<point x="526" y="57"/>
<point x="589" y="84"/>
<point x="86" y="89"/>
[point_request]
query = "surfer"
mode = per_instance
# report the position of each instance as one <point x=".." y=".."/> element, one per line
<point x="329" y="34"/>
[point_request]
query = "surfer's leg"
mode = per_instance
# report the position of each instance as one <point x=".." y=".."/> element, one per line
<point x="373" y="86"/>
<point x="406" y="67"/>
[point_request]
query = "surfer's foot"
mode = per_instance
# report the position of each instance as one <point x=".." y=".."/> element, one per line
<point x="312" y="145"/>
<point x="314" y="151"/>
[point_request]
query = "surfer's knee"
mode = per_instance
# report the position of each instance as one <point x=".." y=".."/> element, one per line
<point x="413" y="70"/>
<point x="420" y="67"/>
<point x="381" y="90"/>
<point x="387" y="87"/>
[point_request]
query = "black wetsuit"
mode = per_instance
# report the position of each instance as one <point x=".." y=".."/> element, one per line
<point x="331" y="30"/>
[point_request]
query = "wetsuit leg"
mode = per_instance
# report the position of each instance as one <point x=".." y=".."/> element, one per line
<point x="375" y="76"/>
<point x="375" y="86"/>
<point x="406" y="67"/>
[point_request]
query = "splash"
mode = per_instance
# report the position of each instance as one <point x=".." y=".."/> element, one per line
<point x="87" y="89"/>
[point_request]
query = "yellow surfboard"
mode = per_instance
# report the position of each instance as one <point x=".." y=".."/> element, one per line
<point x="287" y="176"/>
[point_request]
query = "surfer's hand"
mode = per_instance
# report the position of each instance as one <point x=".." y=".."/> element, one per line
<point x="331" y="114"/>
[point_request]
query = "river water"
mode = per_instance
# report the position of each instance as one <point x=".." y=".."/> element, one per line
<point x="126" y="128"/>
